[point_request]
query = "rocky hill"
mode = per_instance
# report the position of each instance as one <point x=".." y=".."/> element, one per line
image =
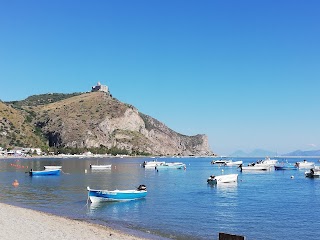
<point x="95" y="120"/>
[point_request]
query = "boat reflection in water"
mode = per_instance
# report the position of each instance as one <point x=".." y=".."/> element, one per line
<point x="115" y="209"/>
<point x="232" y="186"/>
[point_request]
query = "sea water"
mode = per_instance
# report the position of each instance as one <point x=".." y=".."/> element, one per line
<point x="180" y="204"/>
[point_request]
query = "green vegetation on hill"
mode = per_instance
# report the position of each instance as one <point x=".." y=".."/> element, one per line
<point x="100" y="150"/>
<point x="16" y="129"/>
<point x="42" y="99"/>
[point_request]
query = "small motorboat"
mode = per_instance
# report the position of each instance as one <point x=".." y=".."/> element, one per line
<point x="305" y="164"/>
<point x="116" y="195"/>
<point x="100" y="166"/>
<point x="151" y="164"/>
<point x="313" y="172"/>
<point x="233" y="163"/>
<point x="49" y="172"/>
<point x="268" y="161"/>
<point x="255" y="167"/>
<point x="175" y="165"/>
<point x="228" y="178"/>
<point x="285" y="166"/>
<point x="52" y="167"/>
<point x="221" y="161"/>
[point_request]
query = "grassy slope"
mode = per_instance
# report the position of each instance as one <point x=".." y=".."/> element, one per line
<point x="16" y="129"/>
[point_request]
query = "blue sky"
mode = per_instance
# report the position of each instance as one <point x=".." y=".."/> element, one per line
<point x="246" y="73"/>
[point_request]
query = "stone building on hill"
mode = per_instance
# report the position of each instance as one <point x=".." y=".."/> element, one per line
<point x="100" y="88"/>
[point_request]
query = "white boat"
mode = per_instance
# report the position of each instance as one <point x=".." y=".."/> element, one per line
<point x="233" y="163"/>
<point x="151" y="164"/>
<point x="228" y="178"/>
<point x="177" y="165"/>
<point x="116" y="195"/>
<point x="52" y="167"/>
<point x="255" y="167"/>
<point x="221" y="161"/>
<point x="313" y="173"/>
<point x="268" y="161"/>
<point x="100" y="166"/>
<point x="305" y="164"/>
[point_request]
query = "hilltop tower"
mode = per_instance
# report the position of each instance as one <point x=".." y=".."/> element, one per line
<point x="100" y="88"/>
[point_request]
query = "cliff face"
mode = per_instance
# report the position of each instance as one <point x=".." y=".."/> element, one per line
<point x="96" y="119"/>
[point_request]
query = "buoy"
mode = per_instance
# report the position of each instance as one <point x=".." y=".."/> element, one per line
<point x="292" y="177"/>
<point x="85" y="171"/>
<point x="15" y="183"/>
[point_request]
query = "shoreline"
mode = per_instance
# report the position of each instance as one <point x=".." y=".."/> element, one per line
<point x="23" y="223"/>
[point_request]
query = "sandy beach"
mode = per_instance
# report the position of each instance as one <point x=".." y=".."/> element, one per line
<point x="20" y="223"/>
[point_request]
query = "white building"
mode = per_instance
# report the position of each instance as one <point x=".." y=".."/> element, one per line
<point x="100" y="88"/>
<point x="32" y="150"/>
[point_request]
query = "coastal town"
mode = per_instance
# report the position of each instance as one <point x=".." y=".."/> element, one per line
<point x="20" y="152"/>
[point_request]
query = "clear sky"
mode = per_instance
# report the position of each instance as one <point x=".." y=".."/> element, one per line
<point x="245" y="73"/>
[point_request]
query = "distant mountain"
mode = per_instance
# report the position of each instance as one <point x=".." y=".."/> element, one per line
<point x="239" y="153"/>
<point x="263" y="153"/>
<point x="303" y="153"/>
<point x="254" y="153"/>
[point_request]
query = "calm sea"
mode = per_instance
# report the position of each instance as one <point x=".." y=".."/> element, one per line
<point x="179" y="204"/>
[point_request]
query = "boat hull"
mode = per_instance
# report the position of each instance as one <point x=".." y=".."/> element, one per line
<point x="236" y="163"/>
<point x="171" y="166"/>
<point x="305" y="164"/>
<point x="313" y="173"/>
<point x="256" y="168"/>
<point x="116" y="195"/>
<point x="229" y="178"/>
<point x="100" y="166"/>
<point x="54" y="172"/>
<point x="152" y="164"/>
<point x="285" y="168"/>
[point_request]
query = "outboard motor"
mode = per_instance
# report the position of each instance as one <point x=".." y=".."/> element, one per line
<point x="142" y="188"/>
<point x="210" y="178"/>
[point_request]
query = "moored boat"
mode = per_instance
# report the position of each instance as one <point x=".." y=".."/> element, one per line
<point x="268" y="161"/>
<point x="175" y="165"/>
<point x="221" y="161"/>
<point x="116" y="195"/>
<point x="52" y="167"/>
<point x="228" y="178"/>
<point x="313" y="172"/>
<point x="233" y="163"/>
<point x="305" y="164"/>
<point x="55" y="172"/>
<point x="152" y="164"/>
<point x="285" y="166"/>
<point x="255" y="167"/>
<point x="100" y="166"/>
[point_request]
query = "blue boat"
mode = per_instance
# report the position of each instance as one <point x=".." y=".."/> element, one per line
<point x="54" y="172"/>
<point x="285" y="167"/>
<point x="116" y="195"/>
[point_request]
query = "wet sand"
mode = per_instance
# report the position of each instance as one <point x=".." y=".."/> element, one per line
<point x="20" y="223"/>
